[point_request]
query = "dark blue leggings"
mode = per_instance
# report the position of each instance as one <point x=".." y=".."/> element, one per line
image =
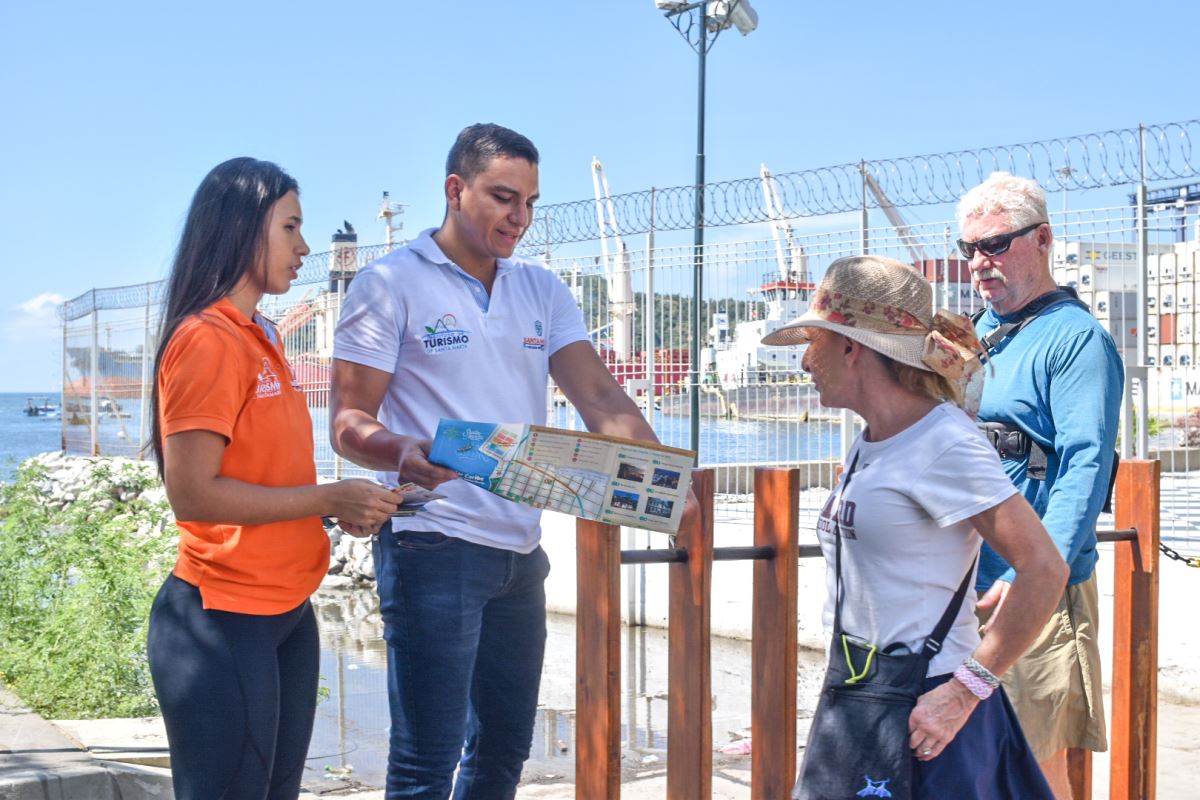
<point x="238" y="693"/>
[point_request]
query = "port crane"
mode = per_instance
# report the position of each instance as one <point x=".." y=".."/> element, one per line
<point x="907" y="237"/>
<point x="793" y="261"/>
<point x="616" y="268"/>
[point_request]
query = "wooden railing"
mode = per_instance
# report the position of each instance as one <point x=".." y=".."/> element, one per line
<point x="773" y="645"/>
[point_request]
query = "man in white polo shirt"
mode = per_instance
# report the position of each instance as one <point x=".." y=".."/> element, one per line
<point x="452" y="325"/>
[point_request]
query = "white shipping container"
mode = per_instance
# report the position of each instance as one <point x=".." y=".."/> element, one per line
<point x="1166" y="355"/>
<point x="1185" y="261"/>
<point x="1166" y="298"/>
<point x="1185" y="296"/>
<point x="1166" y="268"/>
<point x="1152" y="299"/>
<point x="1185" y="328"/>
<point x="1115" y="305"/>
<point x="1092" y="278"/>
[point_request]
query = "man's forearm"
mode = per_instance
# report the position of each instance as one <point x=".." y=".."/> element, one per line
<point x="359" y="437"/>
<point x="615" y="414"/>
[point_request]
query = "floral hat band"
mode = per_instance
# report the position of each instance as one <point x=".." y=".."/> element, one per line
<point x="952" y="349"/>
<point x="950" y="345"/>
<point x="886" y="305"/>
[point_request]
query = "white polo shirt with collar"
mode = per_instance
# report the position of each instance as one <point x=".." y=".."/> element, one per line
<point x="454" y="352"/>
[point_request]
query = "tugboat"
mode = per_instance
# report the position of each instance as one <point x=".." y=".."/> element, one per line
<point x="743" y="378"/>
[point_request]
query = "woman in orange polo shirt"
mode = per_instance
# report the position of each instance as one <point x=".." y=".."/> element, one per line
<point x="233" y="644"/>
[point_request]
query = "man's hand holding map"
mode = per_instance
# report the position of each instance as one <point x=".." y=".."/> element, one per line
<point x="597" y="477"/>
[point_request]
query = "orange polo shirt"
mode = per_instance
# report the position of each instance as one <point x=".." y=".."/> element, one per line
<point x="221" y="373"/>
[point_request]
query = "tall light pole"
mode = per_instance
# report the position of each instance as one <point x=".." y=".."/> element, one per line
<point x="700" y="24"/>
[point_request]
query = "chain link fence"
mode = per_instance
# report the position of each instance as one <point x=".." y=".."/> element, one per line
<point x="1135" y="264"/>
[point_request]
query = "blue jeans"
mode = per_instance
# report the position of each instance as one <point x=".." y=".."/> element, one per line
<point x="465" y="627"/>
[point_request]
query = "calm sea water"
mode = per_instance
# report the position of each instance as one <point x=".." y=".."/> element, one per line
<point x="22" y="436"/>
<point x="722" y="441"/>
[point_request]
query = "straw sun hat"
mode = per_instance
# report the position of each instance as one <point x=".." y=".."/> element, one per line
<point x="888" y="307"/>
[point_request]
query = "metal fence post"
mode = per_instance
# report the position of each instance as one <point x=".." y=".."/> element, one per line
<point x="144" y="402"/>
<point x="63" y="415"/>
<point x="846" y="437"/>
<point x="1143" y="256"/>
<point x="94" y="418"/>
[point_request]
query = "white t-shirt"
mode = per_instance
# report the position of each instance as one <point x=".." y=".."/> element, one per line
<point x="413" y="314"/>
<point x="906" y="538"/>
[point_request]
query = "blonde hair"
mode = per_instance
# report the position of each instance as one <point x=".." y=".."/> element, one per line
<point x="923" y="382"/>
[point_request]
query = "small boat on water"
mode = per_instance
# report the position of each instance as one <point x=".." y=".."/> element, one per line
<point x="40" y="407"/>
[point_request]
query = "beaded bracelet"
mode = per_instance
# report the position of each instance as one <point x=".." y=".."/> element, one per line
<point x="975" y="684"/>
<point x="982" y="672"/>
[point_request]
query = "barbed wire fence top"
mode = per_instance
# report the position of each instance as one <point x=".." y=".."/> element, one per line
<point x="1085" y="161"/>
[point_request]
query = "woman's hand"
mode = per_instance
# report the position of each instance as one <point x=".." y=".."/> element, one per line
<point x="939" y="716"/>
<point x="361" y="506"/>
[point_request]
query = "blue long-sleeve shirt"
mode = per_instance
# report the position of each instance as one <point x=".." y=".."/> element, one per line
<point x="1060" y="380"/>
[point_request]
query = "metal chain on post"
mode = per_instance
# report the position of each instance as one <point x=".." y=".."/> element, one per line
<point x="1175" y="555"/>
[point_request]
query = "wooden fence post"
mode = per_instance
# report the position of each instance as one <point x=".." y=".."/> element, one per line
<point x="773" y="637"/>
<point x="689" y="670"/>
<point x="1134" y="734"/>
<point x="597" y="661"/>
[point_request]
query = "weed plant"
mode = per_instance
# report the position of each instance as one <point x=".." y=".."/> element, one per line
<point x="76" y="592"/>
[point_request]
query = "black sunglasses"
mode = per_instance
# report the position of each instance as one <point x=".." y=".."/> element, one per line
<point x="995" y="245"/>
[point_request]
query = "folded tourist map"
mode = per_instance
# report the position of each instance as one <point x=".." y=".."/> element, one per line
<point x="589" y="475"/>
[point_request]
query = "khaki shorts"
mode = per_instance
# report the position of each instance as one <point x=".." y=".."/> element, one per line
<point x="1056" y="686"/>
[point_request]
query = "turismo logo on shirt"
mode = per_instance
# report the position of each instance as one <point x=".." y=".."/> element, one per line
<point x="268" y="381"/>
<point x="445" y="335"/>
<point x="535" y="342"/>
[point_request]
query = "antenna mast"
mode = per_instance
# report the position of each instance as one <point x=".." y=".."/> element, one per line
<point x="391" y="212"/>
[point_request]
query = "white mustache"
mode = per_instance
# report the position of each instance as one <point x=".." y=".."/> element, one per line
<point x="990" y="274"/>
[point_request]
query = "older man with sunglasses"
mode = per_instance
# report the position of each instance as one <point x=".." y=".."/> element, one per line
<point x="1055" y="391"/>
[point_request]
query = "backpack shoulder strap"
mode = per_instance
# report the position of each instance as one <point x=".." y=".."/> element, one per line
<point x="1063" y="294"/>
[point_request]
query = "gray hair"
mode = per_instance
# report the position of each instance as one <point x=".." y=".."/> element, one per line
<point x="1020" y="199"/>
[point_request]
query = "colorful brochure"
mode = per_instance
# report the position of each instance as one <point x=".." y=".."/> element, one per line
<point x="589" y="475"/>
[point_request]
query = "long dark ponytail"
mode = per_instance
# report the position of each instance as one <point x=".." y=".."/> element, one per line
<point x="221" y="242"/>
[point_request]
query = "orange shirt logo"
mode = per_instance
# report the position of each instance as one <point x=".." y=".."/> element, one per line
<point x="268" y="381"/>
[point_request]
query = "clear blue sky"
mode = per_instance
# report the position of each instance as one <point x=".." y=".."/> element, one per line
<point x="114" y="112"/>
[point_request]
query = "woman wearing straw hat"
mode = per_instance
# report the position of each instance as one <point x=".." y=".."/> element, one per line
<point x="921" y="486"/>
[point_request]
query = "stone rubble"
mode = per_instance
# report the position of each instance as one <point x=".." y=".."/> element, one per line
<point x="101" y="482"/>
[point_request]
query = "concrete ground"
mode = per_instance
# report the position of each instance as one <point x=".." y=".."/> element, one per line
<point x="116" y="760"/>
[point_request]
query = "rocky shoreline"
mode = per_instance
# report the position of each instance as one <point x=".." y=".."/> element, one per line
<point x="103" y="482"/>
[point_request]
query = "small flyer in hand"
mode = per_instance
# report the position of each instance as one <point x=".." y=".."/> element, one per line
<point x="590" y="475"/>
<point x="415" y="498"/>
